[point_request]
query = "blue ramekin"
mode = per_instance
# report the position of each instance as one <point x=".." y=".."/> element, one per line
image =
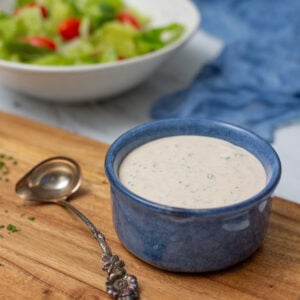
<point x="191" y="240"/>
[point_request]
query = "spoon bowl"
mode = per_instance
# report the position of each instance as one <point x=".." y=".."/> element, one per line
<point x="52" y="180"/>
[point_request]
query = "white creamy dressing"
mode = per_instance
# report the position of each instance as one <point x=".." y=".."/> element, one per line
<point x="192" y="172"/>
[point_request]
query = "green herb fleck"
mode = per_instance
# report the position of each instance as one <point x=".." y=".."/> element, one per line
<point x="210" y="176"/>
<point x="12" y="228"/>
<point x="2" y="164"/>
<point x="31" y="218"/>
<point x="1" y="236"/>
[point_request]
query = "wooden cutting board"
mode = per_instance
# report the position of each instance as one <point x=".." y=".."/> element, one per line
<point x="54" y="256"/>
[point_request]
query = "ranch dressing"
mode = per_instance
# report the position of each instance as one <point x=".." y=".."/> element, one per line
<point x="192" y="172"/>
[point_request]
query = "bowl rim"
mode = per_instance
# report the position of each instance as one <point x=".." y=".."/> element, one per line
<point x="166" y="209"/>
<point x="110" y="65"/>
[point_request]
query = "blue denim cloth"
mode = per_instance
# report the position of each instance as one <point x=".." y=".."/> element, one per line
<point x="255" y="82"/>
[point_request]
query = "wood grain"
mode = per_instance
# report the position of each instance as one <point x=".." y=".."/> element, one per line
<point x="55" y="256"/>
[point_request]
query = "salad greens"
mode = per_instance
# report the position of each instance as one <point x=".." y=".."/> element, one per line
<point x="74" y="32"/>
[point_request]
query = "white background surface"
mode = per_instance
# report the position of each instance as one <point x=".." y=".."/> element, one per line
<point x="105" y="121"/>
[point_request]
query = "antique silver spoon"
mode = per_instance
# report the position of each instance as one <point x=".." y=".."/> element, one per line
<point x="54" y="180"/>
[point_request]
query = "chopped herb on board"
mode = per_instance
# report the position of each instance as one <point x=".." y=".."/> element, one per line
<point x="5" y="162"/>
<point x="12" y="228"/>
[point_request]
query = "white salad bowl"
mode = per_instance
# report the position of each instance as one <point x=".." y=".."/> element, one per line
<point x="100" y="81"/>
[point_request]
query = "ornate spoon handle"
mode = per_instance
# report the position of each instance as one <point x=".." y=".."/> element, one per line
<point x="119" y="284"/>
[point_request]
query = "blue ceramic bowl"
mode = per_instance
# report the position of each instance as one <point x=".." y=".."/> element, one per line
<point x="191" y="240"/>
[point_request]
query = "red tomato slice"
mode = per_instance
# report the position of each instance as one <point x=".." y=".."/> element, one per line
<point x="128" y="18"/>
<point x="42" y="8"/>
<point x="69" y="29"/>
<point x="39" y="41"/>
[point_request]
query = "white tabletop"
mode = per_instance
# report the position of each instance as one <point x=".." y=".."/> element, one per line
<point x="105" y="121"/>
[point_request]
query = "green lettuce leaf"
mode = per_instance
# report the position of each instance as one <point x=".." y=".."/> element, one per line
<point x="157" y="38"/>
<point x="25" y="51"/>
